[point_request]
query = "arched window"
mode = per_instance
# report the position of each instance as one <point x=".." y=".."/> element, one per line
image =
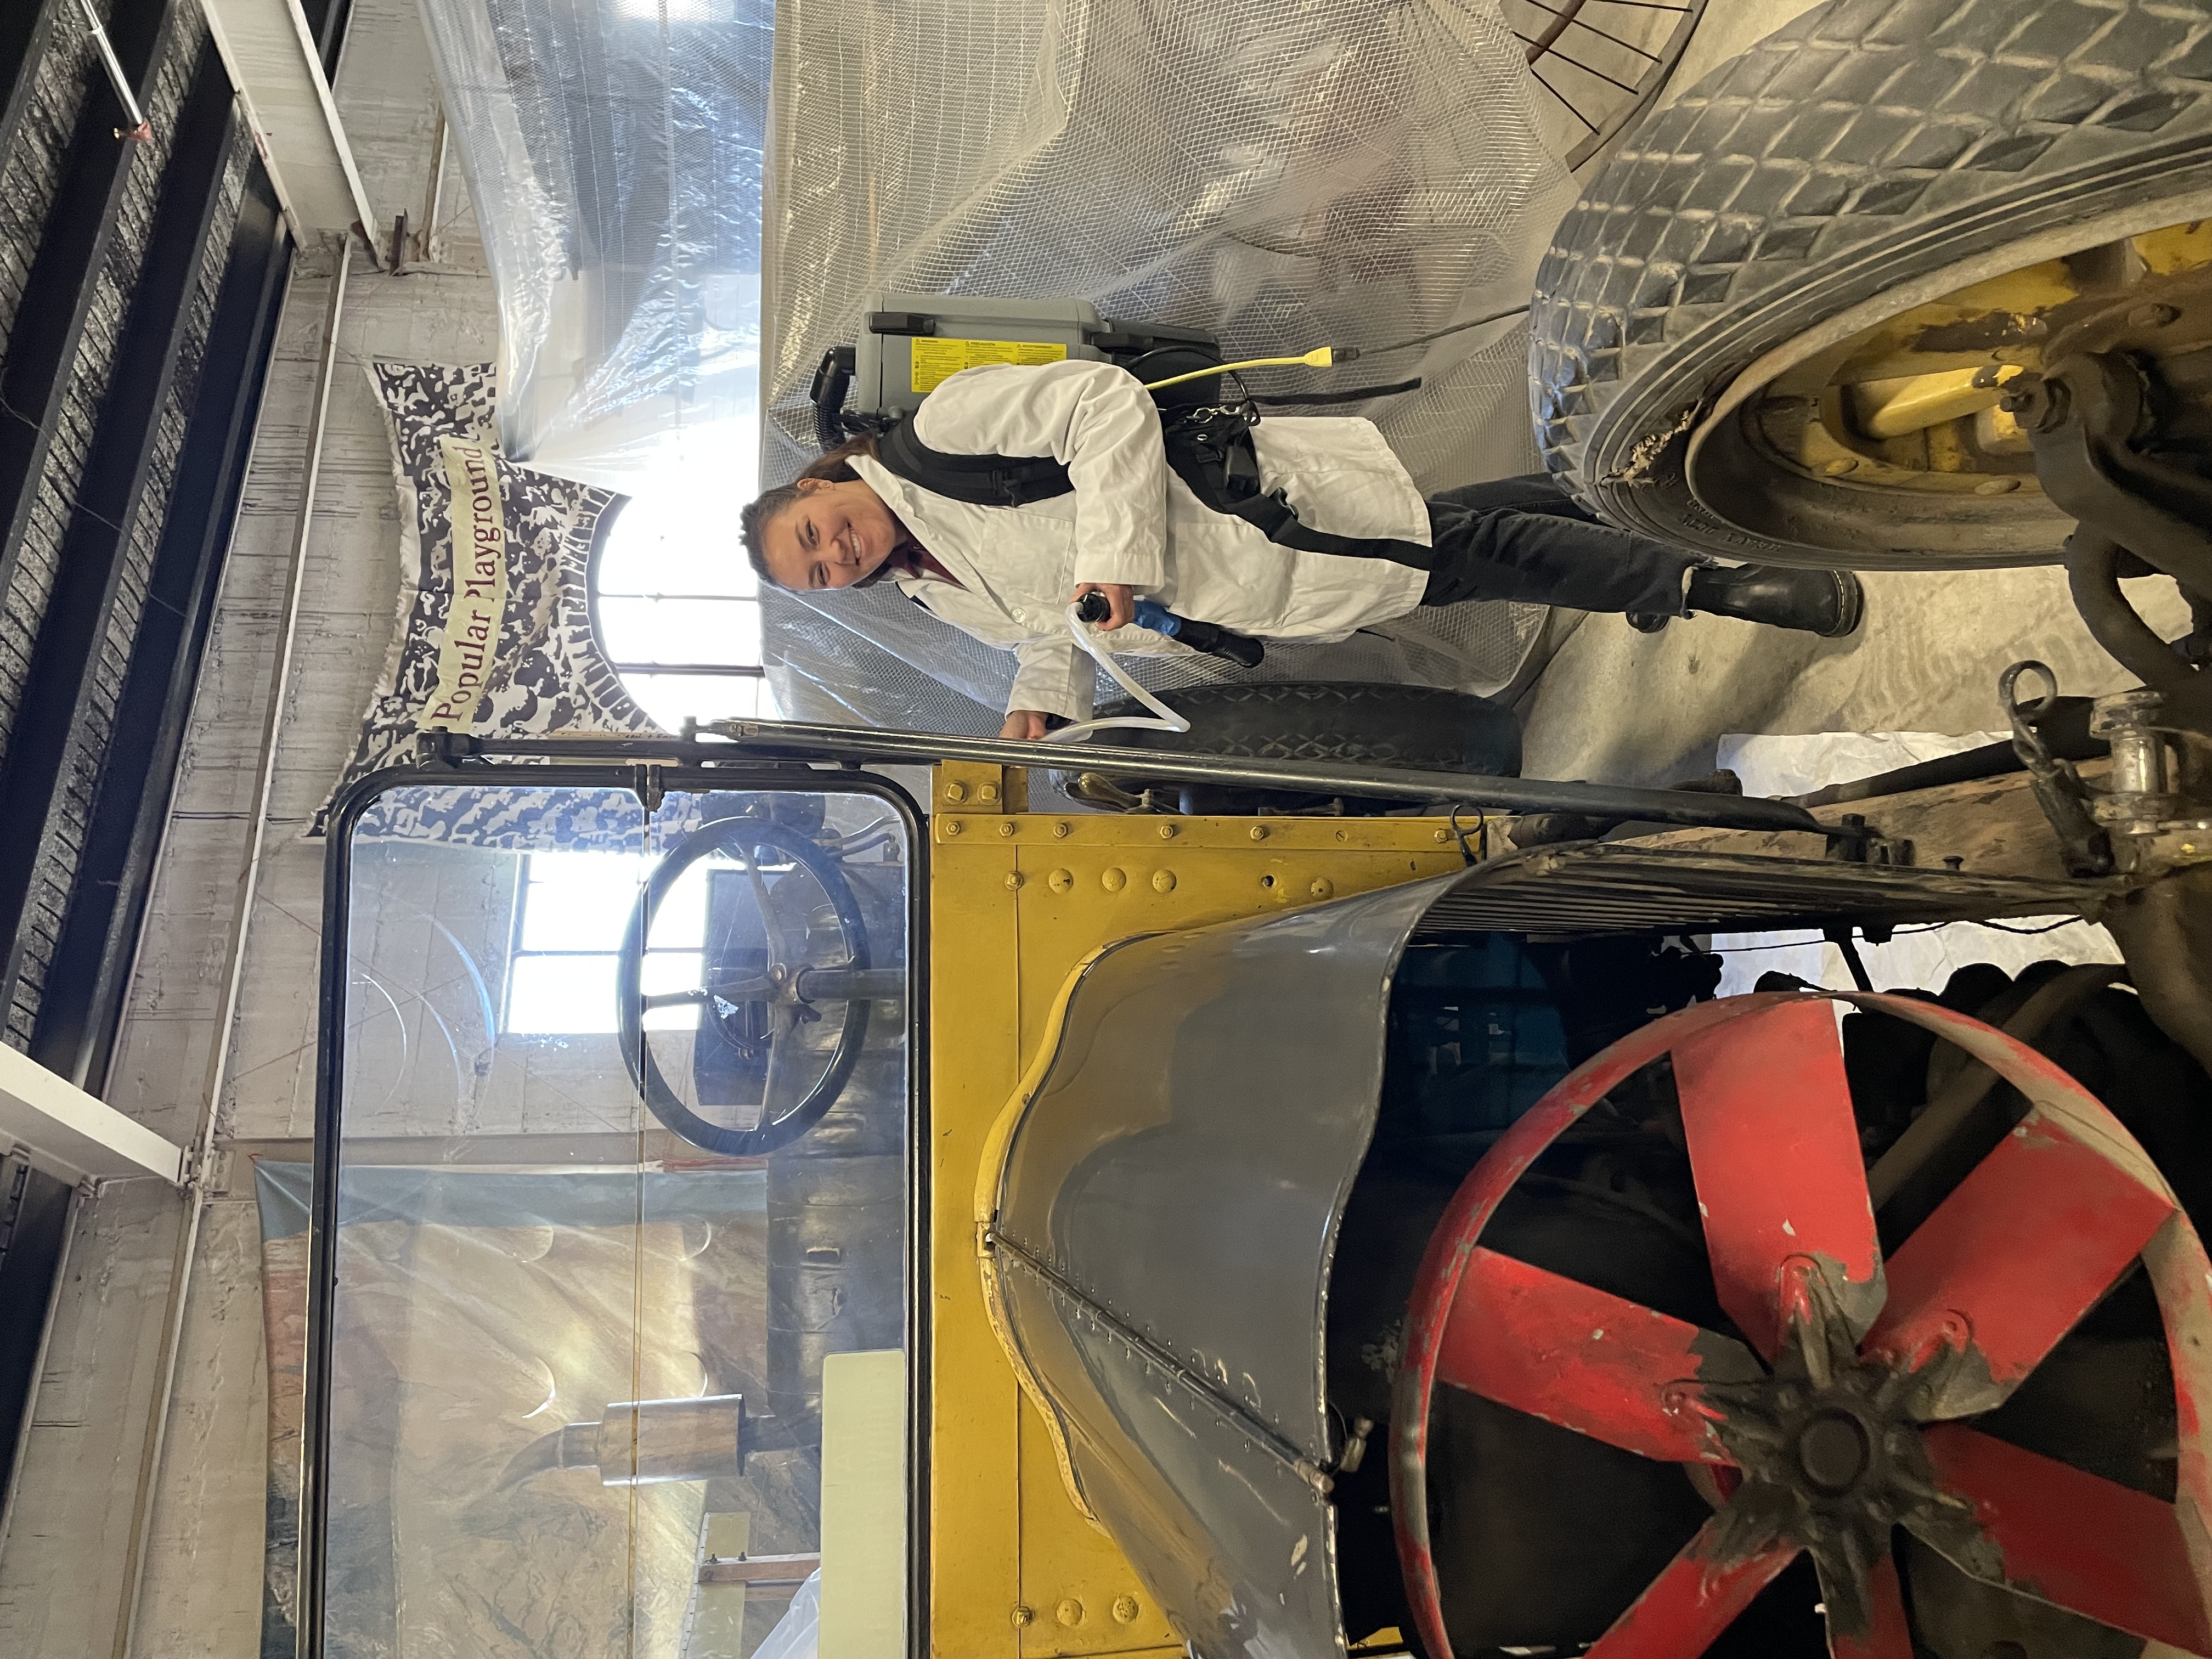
<point x="679" y="611"/>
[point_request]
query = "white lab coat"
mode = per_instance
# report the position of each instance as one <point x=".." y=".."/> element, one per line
<point x="1130" y="519"/>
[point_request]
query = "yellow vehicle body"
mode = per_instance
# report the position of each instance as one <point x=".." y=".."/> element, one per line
<point x="1017" y="900"/>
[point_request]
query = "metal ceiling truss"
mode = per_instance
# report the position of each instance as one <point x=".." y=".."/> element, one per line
<point x="42" y="346"/>
<point x="24" y="31"/>
<point x="96" y="547"/>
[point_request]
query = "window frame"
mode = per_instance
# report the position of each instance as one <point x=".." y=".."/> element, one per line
<point x="650" y="768"/>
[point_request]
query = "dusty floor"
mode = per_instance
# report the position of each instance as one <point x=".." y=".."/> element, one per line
<point x="1622" y="707"/>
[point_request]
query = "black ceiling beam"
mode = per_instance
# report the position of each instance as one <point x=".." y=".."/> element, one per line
<point x="27" y="28"/>
<point x="34" y="1217"/>
<point x="326" y="21"/>
<point x="42" y="344"/>
<point x="36" y="772"/>
<point x="88" y="980"/>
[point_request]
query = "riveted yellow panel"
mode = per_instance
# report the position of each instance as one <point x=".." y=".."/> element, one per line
<point x="1082" y="1597"/>
<point x="1017" y="899"/>
<point x="974" y="1507"/>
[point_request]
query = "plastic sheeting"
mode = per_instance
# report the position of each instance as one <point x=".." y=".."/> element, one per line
<point x="521" y="1244"/>
<point x="612" y="150"/>
<point x="1285" y="173"/>
<point x="870" y="658"/>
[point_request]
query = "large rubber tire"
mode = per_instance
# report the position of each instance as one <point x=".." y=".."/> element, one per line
<point x="1417" y="727"/>
<point x="1869" y="157"/>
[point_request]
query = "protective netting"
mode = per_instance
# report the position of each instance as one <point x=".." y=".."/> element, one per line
<point x="1285" y="173"/>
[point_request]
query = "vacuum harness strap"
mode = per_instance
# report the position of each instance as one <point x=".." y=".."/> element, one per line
<point x="1209" y="447"/>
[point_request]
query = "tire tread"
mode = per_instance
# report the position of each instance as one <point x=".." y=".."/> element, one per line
<point x="1852" y="123"/>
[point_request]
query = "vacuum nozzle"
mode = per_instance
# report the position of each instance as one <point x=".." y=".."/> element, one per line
<point x="1208" y="637"/>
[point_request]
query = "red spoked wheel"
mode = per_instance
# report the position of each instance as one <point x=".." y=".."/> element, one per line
<point x="1845" y="1423"/>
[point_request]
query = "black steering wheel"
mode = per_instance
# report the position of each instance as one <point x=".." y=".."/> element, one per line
<point x="784" y="985"/>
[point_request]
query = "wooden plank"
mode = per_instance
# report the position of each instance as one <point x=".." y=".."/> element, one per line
<point x="765" y="1573"/>
<point x="1992" y="825"/>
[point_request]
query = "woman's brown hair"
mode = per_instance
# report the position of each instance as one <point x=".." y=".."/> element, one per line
<point x="836" y="466"/>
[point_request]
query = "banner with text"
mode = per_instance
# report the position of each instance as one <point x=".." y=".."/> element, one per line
<point x="479" y="589"/>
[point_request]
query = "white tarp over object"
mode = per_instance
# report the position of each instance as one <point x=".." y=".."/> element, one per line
<point x="612" y="150"/>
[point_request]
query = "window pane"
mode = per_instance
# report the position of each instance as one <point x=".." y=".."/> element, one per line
<point x="672" y="542"/>
<point x="528" y="1248"/>
<point x="672" y="698"/>
<point x="671" y="970"/>
<point x="680" y="922"/>
<point x="575" y="995"/>
<point x="580" y="901"/>
<point x="680" y="631"/>
<point x="569" y="996"/>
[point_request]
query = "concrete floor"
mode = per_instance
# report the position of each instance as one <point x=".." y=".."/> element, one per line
<point x="1620" y="707"/>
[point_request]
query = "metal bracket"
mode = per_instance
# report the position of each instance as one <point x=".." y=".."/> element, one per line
<point x="2092" y="415"/>
<point x="2148" y="819"/>
<point x="2154" y="825"/>
<point x="2083" y="845"/>
<point x="1852" y="840"/>
<point x="972" y="786"/>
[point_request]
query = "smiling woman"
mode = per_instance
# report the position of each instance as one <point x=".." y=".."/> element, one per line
<point x="678" y="611"/>
<point x="838" y="534"/>
<point x="828" y="529"/>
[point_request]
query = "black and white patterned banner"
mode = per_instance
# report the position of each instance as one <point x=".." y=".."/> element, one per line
<point x="502" y="643"/>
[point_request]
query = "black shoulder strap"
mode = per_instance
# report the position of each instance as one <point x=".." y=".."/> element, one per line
<point x="1215" y="458"/>
<point x="1221" y="469"/>
<point x="979" y="480"/>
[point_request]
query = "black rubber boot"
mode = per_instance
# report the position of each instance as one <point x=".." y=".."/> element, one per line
<point x="1829" y="603"/>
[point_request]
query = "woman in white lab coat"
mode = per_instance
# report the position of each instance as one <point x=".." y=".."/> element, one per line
<point x="1128" y="526"/>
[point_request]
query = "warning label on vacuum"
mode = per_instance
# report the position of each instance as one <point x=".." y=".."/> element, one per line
<point x="938" y="361"/>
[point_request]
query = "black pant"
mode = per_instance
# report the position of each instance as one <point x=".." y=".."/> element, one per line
<point x="1525" y="539"/>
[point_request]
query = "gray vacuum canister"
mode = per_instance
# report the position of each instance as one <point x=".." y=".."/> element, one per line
<point x="908" y="343"/>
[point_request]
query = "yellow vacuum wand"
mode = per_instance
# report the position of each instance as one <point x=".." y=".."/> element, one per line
<point x="1319" y="357"/>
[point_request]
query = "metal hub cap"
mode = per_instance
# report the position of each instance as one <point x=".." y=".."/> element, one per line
<point x="1834" y="1450"/>
<point x="1839" y="1416"/>
<point x="1831" y="1456"/>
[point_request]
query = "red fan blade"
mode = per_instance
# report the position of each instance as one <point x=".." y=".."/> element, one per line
<point x="1691" y="1601"/>
<point x="2009" y="1262"/>
<point x="1597" y="1364"/>
<point x="1775" y="1150"/>
<point x="1891" y="1635"/>
<point x="2074" y="1540"/>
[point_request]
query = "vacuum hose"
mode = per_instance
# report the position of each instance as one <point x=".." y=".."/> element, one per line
<point x="1319" y="357"/>
<point x="1085" y="636"/>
